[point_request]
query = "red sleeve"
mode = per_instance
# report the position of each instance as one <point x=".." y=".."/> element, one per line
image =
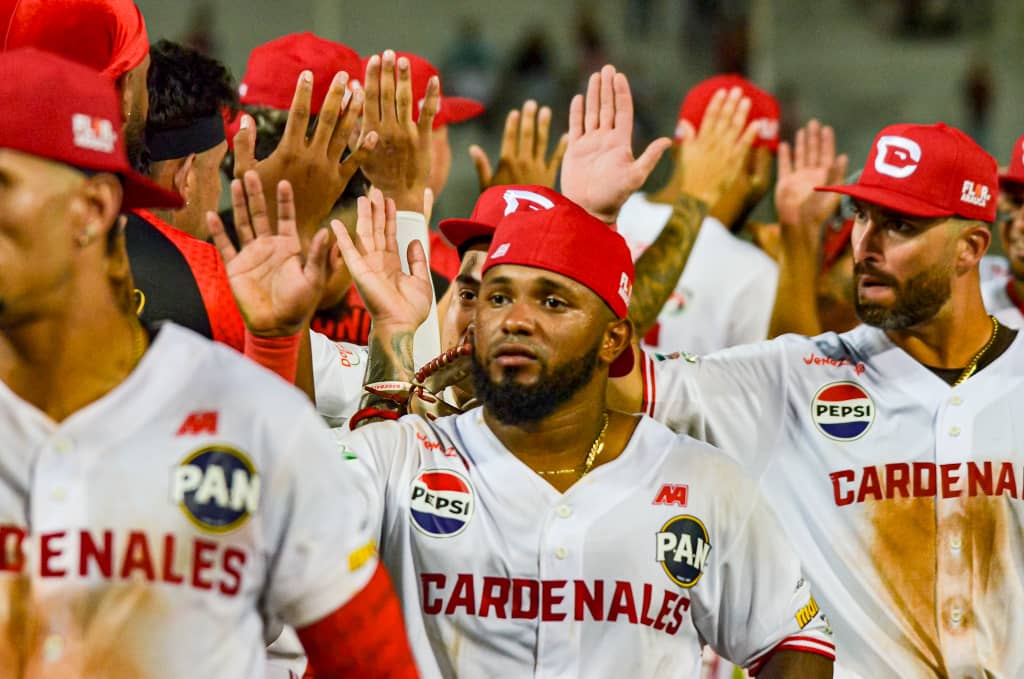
<point x="279" y="354"/>
<point x="365" y="638"/>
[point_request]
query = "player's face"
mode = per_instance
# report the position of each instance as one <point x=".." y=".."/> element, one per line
<point x="440" y="160"/>
<point x="1011" y="227"/>
<point x="40" y="211"/>
<point x="465" y="291"/>
<point x="537" y="338"/>
<point x="903" y="266"/>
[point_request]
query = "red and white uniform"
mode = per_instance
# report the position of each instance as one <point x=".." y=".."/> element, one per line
<point x="902" y="495"/>
<point x="151" y="533"/>
<point x="625" y="574"/>
<point x="338" y="372"/>
<point x="1001" y="301"/>
<point x="725" y="294"/>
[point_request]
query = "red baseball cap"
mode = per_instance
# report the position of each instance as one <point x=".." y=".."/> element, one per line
<point x="451" y="109"/>
<point x="1015" y="172"/>
<point x="764" y="108"/>
<point x="567" y="240"/>
<point x="58" y="109"/>
<point x="492" y="205"/>
<point x="927" y="171"/>
<point x="107" y="35"/>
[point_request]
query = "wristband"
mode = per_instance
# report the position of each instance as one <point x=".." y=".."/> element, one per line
<point x="279" y="354"/>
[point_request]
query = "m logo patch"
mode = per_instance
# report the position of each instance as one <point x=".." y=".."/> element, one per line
<point x="672" y="494"/>
<point x="897" y="156"/>
<point x="199" y="422"/>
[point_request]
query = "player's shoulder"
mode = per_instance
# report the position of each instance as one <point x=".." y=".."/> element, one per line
<point x="409" y="433"/>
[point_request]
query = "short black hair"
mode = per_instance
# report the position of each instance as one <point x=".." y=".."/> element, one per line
<point x="185" y="86"/>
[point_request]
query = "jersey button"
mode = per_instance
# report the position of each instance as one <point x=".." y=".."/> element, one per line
<point x="954" y="431"/>
<point x="564" y="511"/>
<point x="58" y="494"/>
<point x="561" y="552"/>
<point x="63" y="445"/>
<point x="955" y="543"/>
<point x="955" y="401"/>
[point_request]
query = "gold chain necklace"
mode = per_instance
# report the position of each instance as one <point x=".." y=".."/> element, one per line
<point x="588" y="464"/>
<point x="973" y="364"/>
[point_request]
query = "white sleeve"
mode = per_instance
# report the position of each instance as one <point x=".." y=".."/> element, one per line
<point x="338" y="372"/>
<point x="734" y="398"/>
<point x="756" y="302"/>
<point x="755" y="599"/>
<point x="427" y="341"/>
<point x="317" y="521"/>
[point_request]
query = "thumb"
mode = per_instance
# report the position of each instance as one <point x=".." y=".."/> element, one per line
<point x="245" y="146"/>
<point x="644" y="165"/>
<point x="483" y="166"/>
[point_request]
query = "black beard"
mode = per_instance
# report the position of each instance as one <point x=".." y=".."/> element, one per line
<point x="917" y="301"/>
<point x="136" y="148"/>
<point x="515" y="404"/>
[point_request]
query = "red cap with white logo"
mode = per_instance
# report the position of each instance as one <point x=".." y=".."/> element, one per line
<point x="451" y="109"/>
<point x="927" y="171"/>
<point x="492" y="205"/>
<point x="764" y="108"/>
<point x="1015" y="172"/>
<point x="58" y="109"/>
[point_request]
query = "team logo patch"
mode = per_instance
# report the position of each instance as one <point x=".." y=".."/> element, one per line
<point x="682" y="549"/>
<point x="896" y="156"/>
<point x="441" y="503"/>
<point x="843" y="411"/>
<point x="217" y="488"/>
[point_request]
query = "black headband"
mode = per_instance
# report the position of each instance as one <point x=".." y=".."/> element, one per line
<point x="179" y="142"/>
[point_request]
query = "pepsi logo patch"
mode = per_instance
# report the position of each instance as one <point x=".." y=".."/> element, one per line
<point x="441" y="503"/>
<point x="216" y="487"/>
<point x="682" y="548"/>
<point x="843" y="411"/>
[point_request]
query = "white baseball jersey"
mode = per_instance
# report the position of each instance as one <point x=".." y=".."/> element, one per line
<point x="338" y="372"/>
<point x="501" y="575"/>
<point x="993" y="267"/>
<point x="151" y="533"/>
<point x="902" y="495"/>
<point x="727" y="290"/>
<point x="997" y="298"/>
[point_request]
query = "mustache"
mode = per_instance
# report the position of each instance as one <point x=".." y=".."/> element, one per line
<point x="866" y="269"/>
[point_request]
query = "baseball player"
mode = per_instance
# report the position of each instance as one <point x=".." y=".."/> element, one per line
<point x="889" y="451"/>
<point x="1004" y="295"/>
<point x="543" y="535"/>
<point x="157" y="509"/>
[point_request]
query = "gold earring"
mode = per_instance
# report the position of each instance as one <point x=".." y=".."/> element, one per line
<point x="139" y="298"/>
<point x="85" y="236"/>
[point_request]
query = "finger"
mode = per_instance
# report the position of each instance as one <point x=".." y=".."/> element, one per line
<point x="623" y="103"/>
<point x="644" y="165"/>
<point x="371" y="109"/>
<point x="257" y="204"/>
<point x="543" y="131"/>
<point x="220" y="237"/>
<point x="428" y="204"/>
<point x="744" y="143"/>
<point x="357" y="158"/>
<point x="330" y="111"/>
<point x="245" y="146"/>
<point x="686" y="131"/>
<point x="240" y="211"/>
<point x="837" y="173"/>
<point x="712" y="114"/>
<point x="606" y="113"/>
<point x="814" y="143"/>
<point x="828" y="146"/>
<point x="349" y="252"/>
<point x="527" y="137"/>
<point x="785" y="159"/>
<point x="391" y="227"/>
<point x="286" y="210"/>
<point x="483" y="166"/>
<point x="510" y="136"/>
<point x="403" y="92"/>
<point x="379" y="220"/>
<point x="346" y="126"/>
<point x="315" y="267"/>
<point x="298" y="115"/>
<point x="576" y="117"/>
<point x="738" y="121"/>
<point x="417" y="259"/>
<point x="593" y="103"/>
<point x="431" y="105"/>
<point x="364" y="225"/>
<point x="800" y="149"/>
<point x="387" y="88"/>
<point x="556" y="157"/>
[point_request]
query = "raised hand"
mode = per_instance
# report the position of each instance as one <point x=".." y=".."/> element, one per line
<point x="312" y="165"/>
<point x="400" y="166"/>
<point x="599" y="171"/>
<point x="276" y="287"/>
<point x="812" y="162"/>
<point x="395" y="299"/>
<point x="523" y="147"/>
<point x="710" y="160"/>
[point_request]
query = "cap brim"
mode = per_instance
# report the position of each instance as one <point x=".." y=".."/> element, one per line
<point x="889" y="199"/>
<point x="140" y="192"/>
<point x="458" y="232"/>
<point x="1011" y="179"/>
<point x="456" y="110"/>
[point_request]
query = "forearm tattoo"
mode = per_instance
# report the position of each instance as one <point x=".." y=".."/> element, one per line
<point x="391" y="361"/>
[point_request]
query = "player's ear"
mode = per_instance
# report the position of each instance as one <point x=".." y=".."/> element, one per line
<point x="97" y="207"/>
<point x="184" y="178"/>
<point x="618" y="336"/>
<point x="972" y="244"/>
